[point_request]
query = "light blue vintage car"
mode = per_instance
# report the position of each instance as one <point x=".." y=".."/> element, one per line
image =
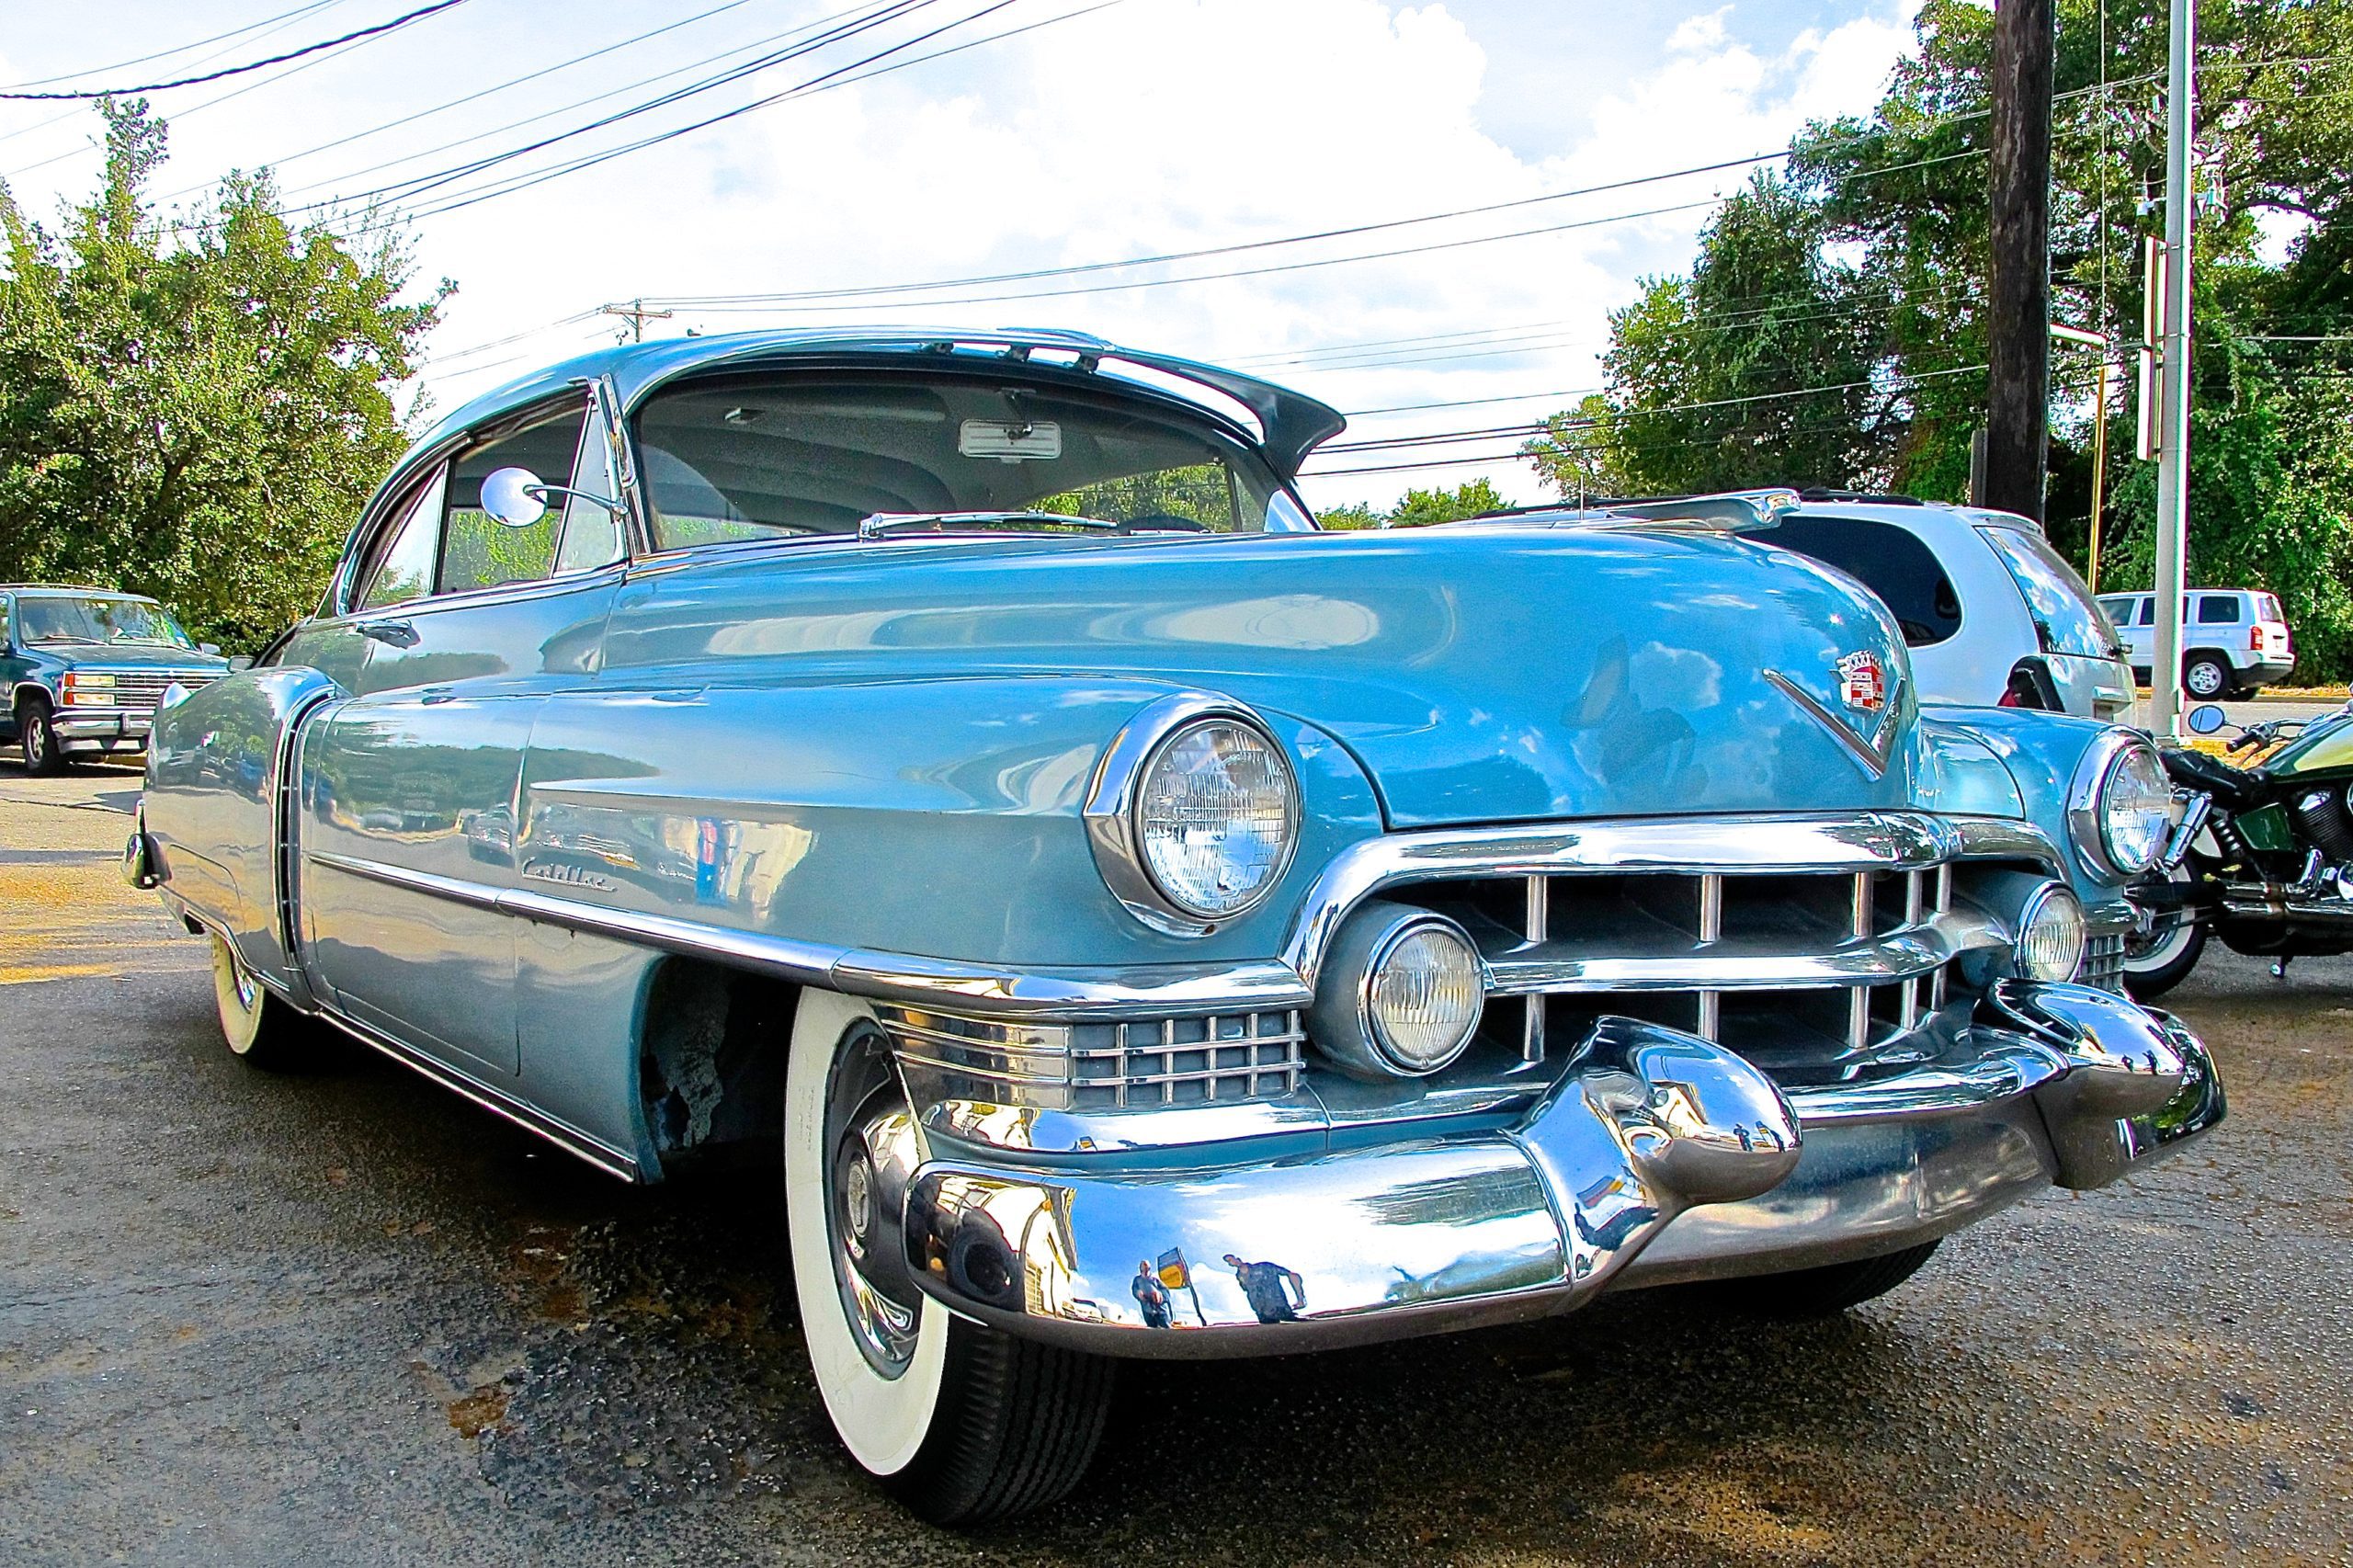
<point x="1152" y="926"/>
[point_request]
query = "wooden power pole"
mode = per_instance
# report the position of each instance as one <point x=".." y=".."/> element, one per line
<point x="2018" y="413"/>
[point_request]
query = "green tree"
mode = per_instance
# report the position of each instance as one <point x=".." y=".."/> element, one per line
<point x="1880" y="236"/>
<point x="193" y="408"/>
<point x="1700" y="368"/>
<point x="1419" y="508"/>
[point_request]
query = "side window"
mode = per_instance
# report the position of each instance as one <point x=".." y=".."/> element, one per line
<point x="405" y="569"/>
<point x="477" y="550"/>
<point x="1889" y="560"/>
<point x="2217" y="609"/>
<point x="7" y="636"/>
<point x="591" y="534"/>
<point x="2149" y="610"/>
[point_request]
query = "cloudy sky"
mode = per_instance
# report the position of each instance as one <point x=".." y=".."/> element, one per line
<point x="1099" y="133"/>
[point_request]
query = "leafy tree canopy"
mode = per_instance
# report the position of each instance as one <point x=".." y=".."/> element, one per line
<point x="1832" y="331"/>
<point x="1419" y="508"/>
<point x="193" y="408"/>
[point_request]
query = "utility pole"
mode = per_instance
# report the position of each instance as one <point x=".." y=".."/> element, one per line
<point x="2173" y="451"/>
<point x="636" y="314"/>
<point x="2018" y="411"/>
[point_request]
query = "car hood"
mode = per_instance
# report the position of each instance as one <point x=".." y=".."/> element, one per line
<point x="1478" y="674"/>
<point x="130" y="656"/>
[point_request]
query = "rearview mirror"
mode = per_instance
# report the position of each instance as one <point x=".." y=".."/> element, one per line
<point x="512" y="496"/>
<point x="2206" y="718"/>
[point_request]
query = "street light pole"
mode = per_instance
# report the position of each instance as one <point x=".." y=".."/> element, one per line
<point x="2173" y="453"/>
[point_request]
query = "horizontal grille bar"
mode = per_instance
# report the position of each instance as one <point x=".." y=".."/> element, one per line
<point x="140" y="689"/>
<point x="1751" y="965"/>
<point x="1145" y="1063"/>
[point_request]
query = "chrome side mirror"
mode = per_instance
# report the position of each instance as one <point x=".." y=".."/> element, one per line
<point x="211" y="648"/>
<point x="2206" y="718"/>
<point x="514" y="496"/>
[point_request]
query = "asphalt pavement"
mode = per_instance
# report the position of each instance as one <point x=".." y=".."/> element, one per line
<point x="340" y="1316"/>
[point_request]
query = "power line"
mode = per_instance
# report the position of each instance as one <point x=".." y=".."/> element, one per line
<point x="83" y="95"/>
<point x="299" y="11"/>
<point x="416" y="186"/>
<point x="501" y="87"/>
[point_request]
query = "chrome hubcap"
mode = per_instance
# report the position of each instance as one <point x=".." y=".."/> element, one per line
<point x="871" y="1141"/>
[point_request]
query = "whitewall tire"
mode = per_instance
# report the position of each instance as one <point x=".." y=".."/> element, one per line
<point x="962" y="1424"/>
<point x="262" y="1029"/>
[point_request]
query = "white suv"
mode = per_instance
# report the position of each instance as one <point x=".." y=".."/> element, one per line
<point x="1993" y="615"/>
<point x="2233" y="640"/>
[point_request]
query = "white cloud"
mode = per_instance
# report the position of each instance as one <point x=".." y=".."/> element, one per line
<point x="1156" y="125"/>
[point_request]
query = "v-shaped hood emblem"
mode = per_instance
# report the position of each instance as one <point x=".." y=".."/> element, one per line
<point x="1871" y="750"/>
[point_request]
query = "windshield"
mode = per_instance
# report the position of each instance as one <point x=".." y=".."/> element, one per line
<point x="2063" y="609"/>
<point x="764" y="456"/>
<point x="47" y="619"/>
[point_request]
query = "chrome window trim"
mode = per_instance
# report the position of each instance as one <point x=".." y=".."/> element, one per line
<point x="1110" y="810"/>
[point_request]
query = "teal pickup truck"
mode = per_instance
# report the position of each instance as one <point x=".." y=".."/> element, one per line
<point x="85" y="668"/>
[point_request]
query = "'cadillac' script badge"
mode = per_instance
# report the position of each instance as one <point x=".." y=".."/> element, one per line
<point x="1862" y="682"/>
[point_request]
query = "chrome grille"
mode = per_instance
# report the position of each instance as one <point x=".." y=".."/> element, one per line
<point x="2103" y="963"/>
<point x="145" y="688"/>
<point x="1122" y="1066"/>
<point x="1812" y="974"/>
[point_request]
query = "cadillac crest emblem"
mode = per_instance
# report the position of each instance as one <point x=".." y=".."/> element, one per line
<point x="1862" y="682"/>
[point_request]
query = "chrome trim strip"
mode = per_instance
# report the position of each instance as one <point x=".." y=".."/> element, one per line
<point x="1127" y="991"/>
<point x="1869" y="841"/>
<point x="1871" y="756"/>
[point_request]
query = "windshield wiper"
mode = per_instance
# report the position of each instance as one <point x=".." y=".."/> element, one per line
<point x="880" y="523"/>
<point x="67" y="637"/>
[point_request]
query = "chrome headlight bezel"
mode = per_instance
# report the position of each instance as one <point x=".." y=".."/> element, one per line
<point x="2049" y="896"/>
<point x="2091" y="813"/>
<point x="1114" y="799"/>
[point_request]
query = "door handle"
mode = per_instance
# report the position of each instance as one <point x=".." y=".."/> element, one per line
<point x="391" y="634"/>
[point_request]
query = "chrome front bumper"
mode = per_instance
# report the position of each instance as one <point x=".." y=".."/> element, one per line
<point x="1654" y="1156"/>
<point x="103" y="729"/>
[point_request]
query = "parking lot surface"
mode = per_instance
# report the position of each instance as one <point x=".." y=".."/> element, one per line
<point x="341" y="1316"/>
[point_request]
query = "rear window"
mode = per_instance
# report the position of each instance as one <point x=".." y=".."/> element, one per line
<point x="1887" y="560"/>
<point x="2064" y="613"/>
<point x="2217" y="609"/>
<point x="2266" y="608"/>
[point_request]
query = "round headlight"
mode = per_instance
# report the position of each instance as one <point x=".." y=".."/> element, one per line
<point x="2051" y="935"/>
<point x="2135" y="809"/>
<point x="1215" y="817"/>
<point x="1424" y="994"/>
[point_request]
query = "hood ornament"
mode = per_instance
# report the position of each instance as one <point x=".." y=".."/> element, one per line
<point x="1866" y="688"/>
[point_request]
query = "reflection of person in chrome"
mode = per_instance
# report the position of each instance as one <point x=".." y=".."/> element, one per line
<point x="1151" y="1295"/>
<point x="1263" y="1284"/>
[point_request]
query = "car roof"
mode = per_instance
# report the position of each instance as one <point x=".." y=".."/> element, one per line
<point x="70" y="591"/>
<point x="1290" y="424"/>
<point x="2150" y="593"/>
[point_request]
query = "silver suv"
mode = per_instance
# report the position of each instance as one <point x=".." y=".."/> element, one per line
<point x="1993" y="615"/>
<point x="2233" y="640"/>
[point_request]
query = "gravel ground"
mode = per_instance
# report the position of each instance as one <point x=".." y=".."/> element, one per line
<point x="342" y="1316"/>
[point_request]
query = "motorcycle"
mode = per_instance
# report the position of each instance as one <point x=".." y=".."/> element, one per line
<point x="2261" y="855"/>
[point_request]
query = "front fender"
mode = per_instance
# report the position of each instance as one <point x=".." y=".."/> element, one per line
<point x="932" y="816"/>
<point x="2041" y="752"/>
<point x="218" y="766"/>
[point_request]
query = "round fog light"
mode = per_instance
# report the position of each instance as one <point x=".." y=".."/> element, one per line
<point x="1424" y="995"/>
<point x="2051" y="935"/>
